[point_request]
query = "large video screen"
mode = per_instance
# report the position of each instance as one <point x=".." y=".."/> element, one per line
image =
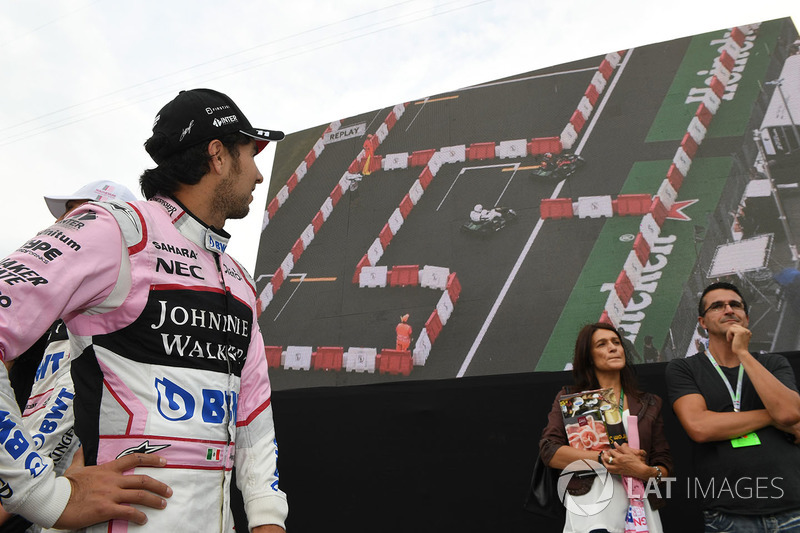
<point x="474" y="232"/>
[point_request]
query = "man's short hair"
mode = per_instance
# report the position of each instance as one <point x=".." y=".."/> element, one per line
<point x="719" y="285"/>
<point x="186" y="167"/>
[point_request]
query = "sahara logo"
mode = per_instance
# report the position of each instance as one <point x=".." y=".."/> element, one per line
<point x="585" y="466"/>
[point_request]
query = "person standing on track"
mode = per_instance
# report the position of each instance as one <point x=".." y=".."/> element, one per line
<point x="403" y="330"/>
<point x="369" y="151"/>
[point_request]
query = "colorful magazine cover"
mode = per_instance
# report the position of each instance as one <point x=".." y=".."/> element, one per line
<point x="592" y="420"/>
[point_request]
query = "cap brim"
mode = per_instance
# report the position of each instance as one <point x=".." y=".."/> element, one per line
<point x="57" y="204"/>
<point x="260" y="145"/>
<point x="263" y="137"/>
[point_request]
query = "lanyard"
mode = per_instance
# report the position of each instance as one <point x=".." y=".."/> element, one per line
<point x="621" y="400"/>
<point x="736" y="398"/>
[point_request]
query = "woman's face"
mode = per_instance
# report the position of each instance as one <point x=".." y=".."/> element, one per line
<point x="607" y="352"/>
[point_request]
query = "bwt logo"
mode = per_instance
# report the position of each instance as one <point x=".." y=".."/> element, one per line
<point x="603" y="477"/>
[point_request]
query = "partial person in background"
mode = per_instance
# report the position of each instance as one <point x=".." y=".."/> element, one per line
<point x="651" y="354"/>
<point x="41" y="376"/>
<point x="600" y="362"/>
<point x="25" y="368"/>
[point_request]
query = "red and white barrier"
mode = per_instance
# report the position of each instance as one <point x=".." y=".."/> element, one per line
<point x="571" y="132"/>
<point x="298" y="175"/>
<point x="369" y="274"/>
<point x="516" y="149"/>
<point x="667" y="194"/>
<point x="360" y="360"/>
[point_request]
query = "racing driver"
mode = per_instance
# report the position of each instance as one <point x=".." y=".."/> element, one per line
<point x="168" y="355"/>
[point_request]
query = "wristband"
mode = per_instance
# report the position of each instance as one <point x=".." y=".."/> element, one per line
<point x="658" y="474"/>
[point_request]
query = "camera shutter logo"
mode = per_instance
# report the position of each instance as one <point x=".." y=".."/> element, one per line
<point x="603" y="477"/>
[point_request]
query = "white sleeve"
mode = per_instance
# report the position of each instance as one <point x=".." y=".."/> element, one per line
<point x="28" y="484"/>
<point x="256" y="447"/>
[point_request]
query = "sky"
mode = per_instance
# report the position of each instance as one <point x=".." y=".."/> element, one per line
<point x="82" y="80"/>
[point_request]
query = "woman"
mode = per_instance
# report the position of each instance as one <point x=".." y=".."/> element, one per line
<point x="600" y="363"/>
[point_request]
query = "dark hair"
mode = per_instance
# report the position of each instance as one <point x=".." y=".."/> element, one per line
<point x="187" y="166"/>
<point x="701" y="306"/>
<point x="583" y="364"/>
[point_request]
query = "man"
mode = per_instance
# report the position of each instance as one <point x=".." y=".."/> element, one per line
<point x="741" y="410"/>
<point x="41" y="376"/>
<point x="369" y="152"/>
<point x="651" y="354"/>
<point x="476" y="215"/>
<point x="403" y="331"/>
<point x="168" y="356"/>
<point x="479" y="214"/>
<point x="25" y="371"/>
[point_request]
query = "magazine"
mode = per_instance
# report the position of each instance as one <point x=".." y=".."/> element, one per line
<point x="592" y="420"/>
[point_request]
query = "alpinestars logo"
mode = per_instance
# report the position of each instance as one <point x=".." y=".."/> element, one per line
<point x="586" y="508"/>
<point x="186" y="131"/>
<point x="127" y="212"/>
<point x="224" y="121"/>
<point x="144" y="447"/>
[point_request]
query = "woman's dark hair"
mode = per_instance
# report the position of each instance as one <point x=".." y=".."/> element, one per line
<point x="583" y="364"/>
<point x="187" y="166"/>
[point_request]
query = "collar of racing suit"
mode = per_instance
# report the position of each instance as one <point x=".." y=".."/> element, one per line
<point x="194" y="229"/>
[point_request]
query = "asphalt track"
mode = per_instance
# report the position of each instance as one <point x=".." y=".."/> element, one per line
<point x="515" y="283"/>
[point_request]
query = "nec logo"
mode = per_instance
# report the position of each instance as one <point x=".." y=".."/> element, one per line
<point x="179" y="268"/>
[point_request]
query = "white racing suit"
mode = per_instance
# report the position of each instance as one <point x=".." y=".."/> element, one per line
<point x="167" y="358"/>
<point x="48" y="412"/>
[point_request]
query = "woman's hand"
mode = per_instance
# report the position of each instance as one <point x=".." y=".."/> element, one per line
<point x="627" y="461"/>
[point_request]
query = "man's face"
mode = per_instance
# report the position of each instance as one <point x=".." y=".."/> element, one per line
<point x="234" y="192"/>
<point x="720" y="314"/>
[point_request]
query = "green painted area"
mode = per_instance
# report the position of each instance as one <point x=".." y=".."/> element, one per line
<point x="685" y="94"/>
<point x="669" y="266"/>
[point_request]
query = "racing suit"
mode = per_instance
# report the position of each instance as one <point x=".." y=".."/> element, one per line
<point x="48" y="412"/>
<point x="167" y="357"/>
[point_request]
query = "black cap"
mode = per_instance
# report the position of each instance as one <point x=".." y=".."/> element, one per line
<point x="201" y="115"/>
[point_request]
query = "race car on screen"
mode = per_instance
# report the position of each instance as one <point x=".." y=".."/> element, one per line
<point x="558" y="166"/>
<point x="486" y="221"/>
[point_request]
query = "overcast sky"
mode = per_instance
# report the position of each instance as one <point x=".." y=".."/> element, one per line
<point x="83" y="79"/>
